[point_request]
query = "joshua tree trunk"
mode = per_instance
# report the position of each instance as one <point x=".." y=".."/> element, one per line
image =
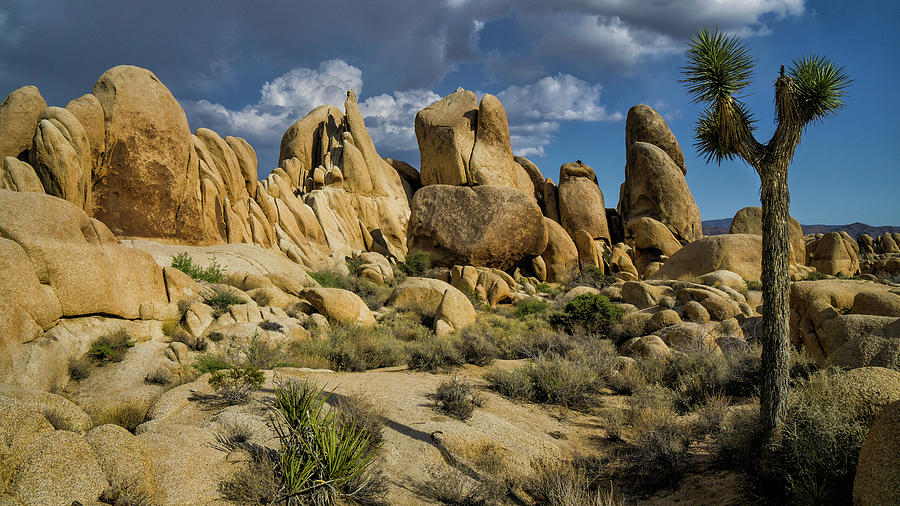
<point x="776" y="250"/>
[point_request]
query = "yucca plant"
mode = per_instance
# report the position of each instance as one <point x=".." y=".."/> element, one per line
<point x="323" y="460"/>
<point x="719" y="68"/>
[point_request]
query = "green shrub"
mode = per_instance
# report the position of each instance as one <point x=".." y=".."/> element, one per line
<point x="592" y="276"/>
<point x="590" y="311"/>
<point x="210" y="363"/>
<point x="212" y="273"/>
<point x="234" y="386"/>
<point x="434" y="354"/>
<point x="358" y="348"/>
<point x="815" y="276"/>
<point x="753" y="284"/>
<point x="814" y="460"/>
<point x="558" y="380"/>
<point x="329" y="279"/>
<point x="531" y="306"/>
<point x="695" y="376"/>
<point x="220" y="298"/>
<point x="405" y="326"/>
<point x="417" y="262"/>
<point x="515" y="384"/>
<point x="111" y="347"/>
<point x="457" y="398"/>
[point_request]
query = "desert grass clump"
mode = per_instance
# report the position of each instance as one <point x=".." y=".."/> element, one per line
<point x="515" y="384"/>
<point x="111" y="347"/>
<point x="358" y="411"/>
<point x="457" y="398"/>
<point x="660" y="448"/>
<point x="219" y="298"/>
<point x="405" y="326"/>
<point x="359" y="348"/>
<point x="80" y="368"/>
<point x="558" y="380"/>
<point x="212" y="273"/>
<point x="125" y="414"/>
<point x="591" y="276"/>
<point x="435" y="353"/>
<point x="210" y="363"/>
<point x="451" y="486"/>
<point x="565" y="484"/>
<point x="128" y="493"/>
<point x="271" y="326"/>
<point x="235" y="385"/>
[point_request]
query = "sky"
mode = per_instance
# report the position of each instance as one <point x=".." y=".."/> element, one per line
<point x="567" y="71"/>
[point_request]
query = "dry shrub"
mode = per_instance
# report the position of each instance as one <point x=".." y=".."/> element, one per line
<point x="125" y="414"/>
<point x="457" y="398"/>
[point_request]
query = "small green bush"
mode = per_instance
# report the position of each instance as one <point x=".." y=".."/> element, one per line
<point x="210" y="363"/>
<point x="111" y="347"/>
<point x="515" y="384"/>
<point x="220" y="298"/>
<point x="234" y="386"/>
<point x="417" y="262"/>
<point x="589" y="311"/>
<point x="476" y="347"/>
<point x="660" y="451"/>
<point x="434" y="354"/>
<point x="753" y="284"/>
<point x="815" y="276"/>
<point x="567" y="484"/>
<point x="531" y="306"/>
<point x="457" y="398"/>
<point x="358" y="348"/>
<point x="558" y="380"/>
<point x="405" y="326"/>
<point x="592" y="276"/>
<point x="329" y="279"/>
<point x="212" y="273"/>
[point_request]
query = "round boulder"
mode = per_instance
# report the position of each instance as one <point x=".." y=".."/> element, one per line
<point x="485" y="226"/>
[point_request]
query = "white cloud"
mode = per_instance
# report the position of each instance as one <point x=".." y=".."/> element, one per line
<point x="560" y="98"/>
<point x="535" y="110"/>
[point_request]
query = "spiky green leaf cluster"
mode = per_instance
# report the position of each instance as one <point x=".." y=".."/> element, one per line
<point x="719" y="66"/>
<point x="820" y="87"/>
<point x="712" y="141"/>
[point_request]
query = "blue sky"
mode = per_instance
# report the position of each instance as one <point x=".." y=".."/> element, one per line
<point x="567" y="72"/>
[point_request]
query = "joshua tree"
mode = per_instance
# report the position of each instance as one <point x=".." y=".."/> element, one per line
<point x="718" y="68"/>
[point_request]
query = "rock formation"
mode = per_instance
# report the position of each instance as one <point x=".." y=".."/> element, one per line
<point x="490" y="226"/>
<point x="654" y="182"/>
<point x="462" y="142"/>
<point x="749" y="221"/>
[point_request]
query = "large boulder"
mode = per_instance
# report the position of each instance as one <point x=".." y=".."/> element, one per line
<point x="19" y="114"/>
<point x="848" y="323"/>
<point x="581" y="205"/>
<point x="492" y="161"/>
<point x="124" y="460"/>
<point x="445" y="131"/>
<point x="61" y="157"/>
<point x="560" y="256"/>
<point x="339" y="306"/>
<point x="434" y="299"/>
<point x="144" y="169"/>
<point x="488" y="226"/>
<point x="644" y="124"/>
<point x="738" y="253"/>
<point x="749" y="221"/>
<point x="653" y="241"/>
<point x="655" y="187"/>
<point x="76" y="257"/>
<point x="833" y="254"/>
<point x="57" y="468"/>
<point x="19" y="176"/>
<point x="877" y="478"/>
<point x="90" y="114"/>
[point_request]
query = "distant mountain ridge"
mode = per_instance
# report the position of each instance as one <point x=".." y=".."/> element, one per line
<point x="721" y="226"/>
